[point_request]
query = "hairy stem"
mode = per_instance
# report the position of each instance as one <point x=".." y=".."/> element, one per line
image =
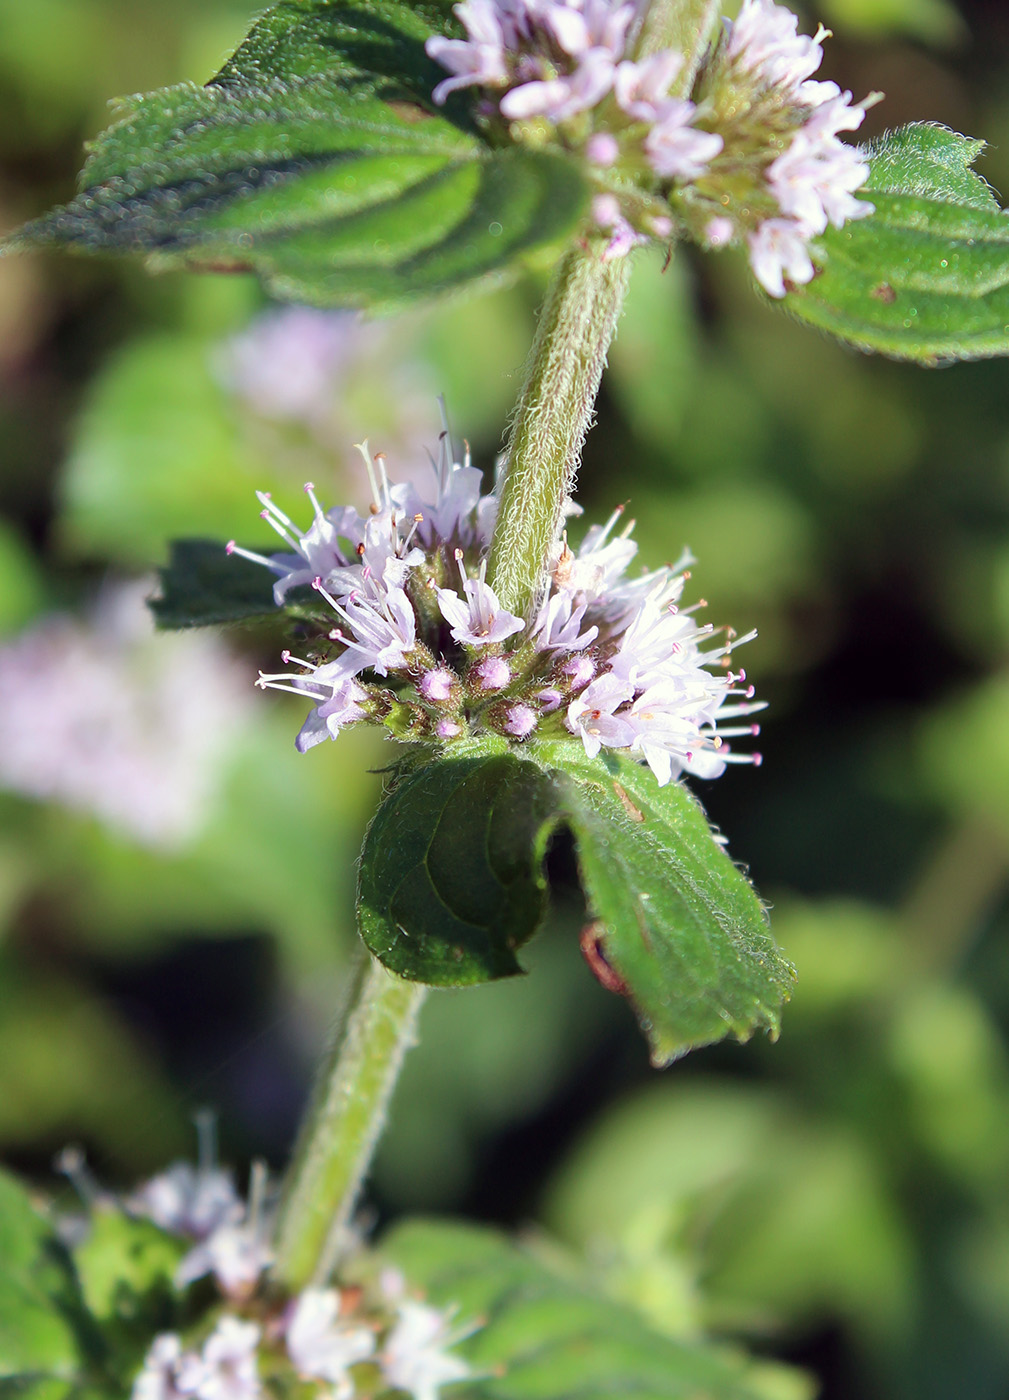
<point x="553" y="415"/>
<point x="343" y="1124"/>
<point x="684" y="25"/>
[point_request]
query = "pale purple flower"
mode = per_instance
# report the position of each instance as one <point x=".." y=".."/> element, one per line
<point x="318" y="551"/>
<point x="657" y="633"/>
<point x="763" y="40"/>
<point x="480" y="620"/>
<point x="623" y="235"/>
<point x="163" y="1371"/>
<point x="677" y="150"/>
<point x="106" y="717"/>
<point x="520" y="721"/>
<point x="382" y="635"/>
<point x="236" y="1255"/>
<point x="673" y="728"/>
<point x="436" y="684"/>
<point x="556" y="57"/>
<point x="581" y="26"/>
<point x="322" y="1345"/>
<point x="719" y="231"/>
<point x="480" y="58"/>
<point x="287" y="363"/>
<point x="416" y="1358"/>
<point x="580" y="669"/>
<point x="458" y="511"/>
<point x="779" y="249"/>
<point x="188" y="1200"/>
<point x="815" y="179"/>
<point x="561" y="98"/>
<point x="229" y="1362"/>
<point x="591" y="715"/>
<point x="602" y="149"/>
<point x="341" y="707"/>
<point x="558" y="624"/>
<point x="493" y="674"/>
<point x="642" y="88"/>
<point x="609" y="657"/>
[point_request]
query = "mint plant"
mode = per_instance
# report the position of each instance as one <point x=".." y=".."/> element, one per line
<point x="366" y="155"/>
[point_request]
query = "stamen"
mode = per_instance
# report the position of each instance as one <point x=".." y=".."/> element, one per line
<point x="383" y="479"/>
<point x="605" y="532"/>
<point x="258" y="1177"/>
<point x="205" y="1120"/>
<point x="365" y="452"/>
<point x="283" y="532"/>
<point x="265" y="499"/>
<point x="232" y="548"/>
<point x="316" y="507"/>
<point x="72" y="1164"/>
<point x="418" y="520"/>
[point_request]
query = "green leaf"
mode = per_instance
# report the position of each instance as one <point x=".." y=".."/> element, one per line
<point x="203" y="585"/>
<point x="677" y="922"/>
<point x="451" y="881"/>
<point x="317" y="159"/>
<point x="126" y="1268"/>
<point x="451" y="886"/>
<point x="931" y="162"/>
<point x="926" y="277"/>
<point x="541" y="1335"/>
<point x="36" y="1387"/>
<point x="37" y="1292"/>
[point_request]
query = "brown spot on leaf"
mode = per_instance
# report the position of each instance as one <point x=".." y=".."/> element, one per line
<point x="200" y="265"/>
<point x="884" y="293"/>
<point x="635" y="813"/>
<point x="591" y="944"/>
<point x="408" y="111"/>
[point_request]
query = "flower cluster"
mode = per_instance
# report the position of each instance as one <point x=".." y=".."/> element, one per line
<point x="752" y="155"/>
<point x="409" y="633"/>
<point x="568" y="62"/>
<point x="808" y="178"/>
<point x="145" y="743"/>
<point x="320" y="1335"/>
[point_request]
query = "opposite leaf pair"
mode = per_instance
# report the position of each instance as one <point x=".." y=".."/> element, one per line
<point x="451" y="885"/>
<point x="319" y="159"/>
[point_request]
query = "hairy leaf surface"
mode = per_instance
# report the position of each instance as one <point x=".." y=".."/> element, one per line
<point x="451" y="880"/>
<point x="675" y="919"/>
<point x="926" y="277"/>
<point x="317" y="159"/>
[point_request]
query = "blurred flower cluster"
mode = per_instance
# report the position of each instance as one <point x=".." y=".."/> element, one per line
<point x="103" y="717"/>
<point x="321" y="1335"/>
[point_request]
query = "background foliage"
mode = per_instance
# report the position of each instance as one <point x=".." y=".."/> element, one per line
<point x="840" y="1198"/>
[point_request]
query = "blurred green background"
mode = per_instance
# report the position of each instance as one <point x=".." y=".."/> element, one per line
<point x="179" y="934"/>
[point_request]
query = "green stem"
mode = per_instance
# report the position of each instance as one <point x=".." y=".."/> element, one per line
<point x="962" y="882"/>
<point x="342" y="1126"/>
<point x="553" y="415"/>
<point x="684" y="25"/>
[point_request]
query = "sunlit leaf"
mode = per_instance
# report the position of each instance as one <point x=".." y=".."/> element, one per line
<point x="926" y="277"/>
<point x="317" y="159"/>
